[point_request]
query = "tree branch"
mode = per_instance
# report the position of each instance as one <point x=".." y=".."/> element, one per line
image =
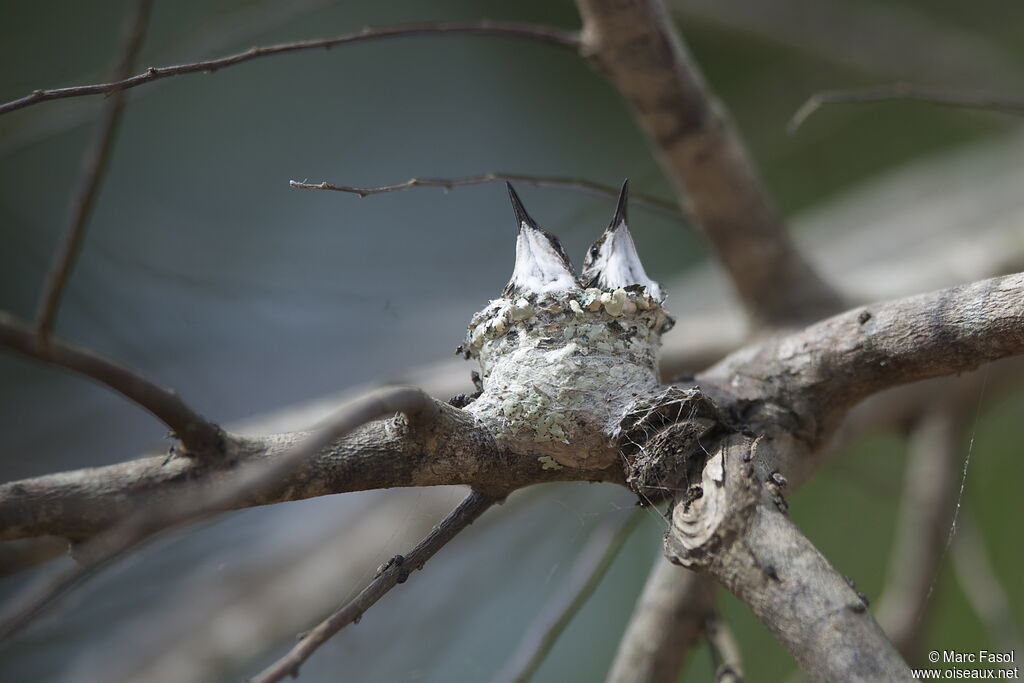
<point x="590" y="567"/>
<point x="635" y="45"/>
<point x="545" y="34"/>
<point x="83" y="503"/>
<point x="197" y="435"/>
<point x="737" y="533"/>
<point x="396" y="571"/>
<point x="818" y="373"/>
<point x="666" y="622"/>
<point x="94" y="168"/>
<point x="988" y="101"/>
<point x="188" y="501"/>
<point x="653" y="204"/>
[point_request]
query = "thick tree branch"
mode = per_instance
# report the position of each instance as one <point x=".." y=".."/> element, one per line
<point x="94" y="168"/>
<point x="668" y="619"/>
<point x="197" y="435"/>
<point x="590" y="567"/>
<point x="926" y="512"/>
<point x="635" y="45"/>
<point x="739" y="534"/>
<point x="661" y="207"/>
<point x="189" y="501"/>
<point x="82" y="503"/>
<point x="545" y="34"/>
<point x="395" y="572"/>
<point x="988" y="101"/>
<point x="818" y="373"/>
<point x="455" y="449"/>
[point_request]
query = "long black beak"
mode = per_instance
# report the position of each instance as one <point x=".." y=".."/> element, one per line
<point x="517" y="206"/>
<point x="620" y="208"/>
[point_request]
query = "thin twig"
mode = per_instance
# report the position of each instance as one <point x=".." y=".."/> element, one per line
<point x="590" y="567"/>
<point x="396" y="571"/>
<point x="662" y="207"/>
<point x="725" y="650"/>
<point x="546" y="34"/>
<point x="94" y="168"/>
<point x="206" y="36"/>
<point x="988" y="101"/>
<point x="197" y="434"/>
<point x="196" y="502"/>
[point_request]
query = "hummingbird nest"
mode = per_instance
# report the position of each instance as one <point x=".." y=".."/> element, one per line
<point x="569" y="363"/>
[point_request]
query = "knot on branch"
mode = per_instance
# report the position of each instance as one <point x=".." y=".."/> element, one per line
<point x="730" y="490"/>
<point x="659" y="437"/>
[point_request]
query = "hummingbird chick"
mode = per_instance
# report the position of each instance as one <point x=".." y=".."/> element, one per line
<point x="542" y="266"/>
<point x="612" y="261"/>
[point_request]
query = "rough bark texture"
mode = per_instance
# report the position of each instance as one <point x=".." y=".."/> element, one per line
<point x="738" y="532"/>
<point x="805" y="382"/>
<point x="384" y="454"/>
<point x="809" y="607"/>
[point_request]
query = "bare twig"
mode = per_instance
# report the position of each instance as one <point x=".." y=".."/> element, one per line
<point x="636" y="46"/>
<point x="545" y="34"/>
<point x="926" y="512"/>
<point x="665" y="624"/>
<point x="94" y="168"/>
<point x="653" y="204"/>
<point x="590" y="567"/>
<point x="197" y="435"/>
<point x="988" y="101"/>
<point x="725" y="650"/>
<point x="196" y="501"/>
<point x="198" y="639"/>
<point x="396" y="571"/>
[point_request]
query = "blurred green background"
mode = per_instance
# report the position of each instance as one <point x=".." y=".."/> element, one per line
<point x="203" y="269"/>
